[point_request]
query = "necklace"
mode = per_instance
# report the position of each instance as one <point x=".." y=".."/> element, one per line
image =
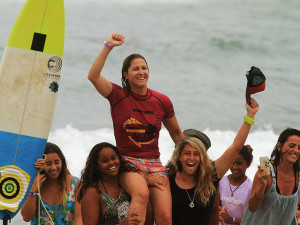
<point x="191" y="205"/>
<point x="236" y="187"/>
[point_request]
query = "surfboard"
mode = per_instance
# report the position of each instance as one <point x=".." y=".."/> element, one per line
<point x="30" y="72"/>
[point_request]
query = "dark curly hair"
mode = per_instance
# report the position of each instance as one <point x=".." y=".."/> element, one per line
<point x="90" y="175"/>
<point x="246" y="153"/>
<point x="276" y="155"/>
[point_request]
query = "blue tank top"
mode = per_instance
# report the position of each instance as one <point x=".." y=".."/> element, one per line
<point x="59" y="214"/>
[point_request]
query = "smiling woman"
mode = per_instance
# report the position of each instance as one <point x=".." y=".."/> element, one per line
<point x="274" y="197"/>
<point x="235" y="189"/>
<point x="189" y="159"/>
<point x="102" y="198"/>
<point x="138" y="113"/>
<point x="194" y="177"/>
<point x="53" y="165"/>
<point x="58" y="191"/>
<point x="135" y="74"/>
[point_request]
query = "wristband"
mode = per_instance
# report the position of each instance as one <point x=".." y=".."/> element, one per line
<point x="32" y="193"/>
<point x="249" y="120"/>
<point x="233" y="220"/>
<point x="107" y="45"/>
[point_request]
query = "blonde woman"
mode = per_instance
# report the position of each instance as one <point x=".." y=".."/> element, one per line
<point x="58" y="189"/>
<point x="194" y="177"/>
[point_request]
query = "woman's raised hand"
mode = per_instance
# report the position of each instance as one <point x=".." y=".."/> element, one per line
<point x="262" y="175"/>
<point x="42" y="178"/>
<point x="115" y="40"/>
<point x="40" y="163"/>
<point x="252" y="109"/>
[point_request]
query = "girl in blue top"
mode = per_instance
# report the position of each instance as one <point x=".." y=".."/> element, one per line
<point x="58" y="189"/>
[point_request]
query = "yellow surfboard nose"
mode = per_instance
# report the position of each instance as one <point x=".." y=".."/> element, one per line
<point x="27" y="33"/>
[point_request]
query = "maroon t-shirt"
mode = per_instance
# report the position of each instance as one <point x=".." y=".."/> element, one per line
<point x="137" y="120"/>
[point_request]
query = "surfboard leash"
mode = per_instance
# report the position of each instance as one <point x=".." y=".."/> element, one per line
<point x="40" y="198"/>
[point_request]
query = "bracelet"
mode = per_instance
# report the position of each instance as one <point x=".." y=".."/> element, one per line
<point x="32" y="193"/>
<point x="107" y="45"/>
<point x="256" y="198"/>
<point x="233" y="220"/>
<point x="249" y="120"/>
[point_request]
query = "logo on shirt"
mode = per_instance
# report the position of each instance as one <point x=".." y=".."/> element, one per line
<point x="233" y="202"/>
<point x="139" y="133"/>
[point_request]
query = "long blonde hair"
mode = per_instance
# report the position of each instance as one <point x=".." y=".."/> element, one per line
<point x="205" y="174"/>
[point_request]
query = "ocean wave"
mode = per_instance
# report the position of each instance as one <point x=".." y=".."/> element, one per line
<point x="76" y="144"/>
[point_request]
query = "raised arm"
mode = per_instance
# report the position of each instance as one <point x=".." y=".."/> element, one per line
<point x="103" y="86"/>
<point x="174" y="130"/>
<point x="28" y="209"/>
<point x="261" y="184"/>
<point x="225" y="161"/>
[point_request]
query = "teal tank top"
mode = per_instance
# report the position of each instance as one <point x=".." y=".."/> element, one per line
<point x="59" y="215"/>
<point x="275" y="209"/>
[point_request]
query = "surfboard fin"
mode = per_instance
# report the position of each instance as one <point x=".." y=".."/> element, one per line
<point x="6" y="218"/>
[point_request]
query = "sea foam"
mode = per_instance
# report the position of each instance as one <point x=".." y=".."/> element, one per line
<point x="76" y="144"/>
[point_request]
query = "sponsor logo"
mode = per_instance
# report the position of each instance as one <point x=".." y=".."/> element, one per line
<point x="52" y="75"/>
<point x="141" y="111"/>
<point x="55" y="64"/>
<point x="53" y="87"/>
<point x="138" y="133"/>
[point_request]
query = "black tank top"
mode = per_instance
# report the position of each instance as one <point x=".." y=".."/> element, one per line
<point x="182" y="214"/>
<point x="277" y="188"/>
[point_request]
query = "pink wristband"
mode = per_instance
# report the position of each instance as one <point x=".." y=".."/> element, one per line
<point x="233" y="220"/>
<point x="107" y="45"/>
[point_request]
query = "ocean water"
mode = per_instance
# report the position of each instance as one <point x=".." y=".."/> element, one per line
<point x="198" y="52"/>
